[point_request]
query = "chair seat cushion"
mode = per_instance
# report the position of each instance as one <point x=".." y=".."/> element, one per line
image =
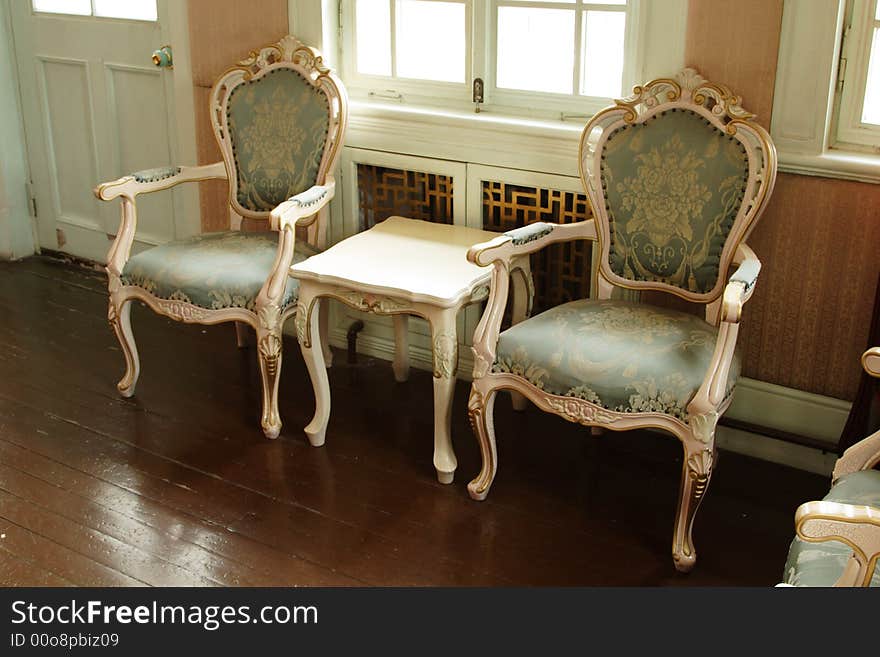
<point x="213" y="270"/>
<point x="822" y="564"/>
<point x="626" y="357"/>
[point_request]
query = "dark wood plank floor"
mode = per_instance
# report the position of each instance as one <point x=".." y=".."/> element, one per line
<point x="178" y="486"/>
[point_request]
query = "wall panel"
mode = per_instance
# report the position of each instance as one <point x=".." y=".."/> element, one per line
<point x="221" y="33"/>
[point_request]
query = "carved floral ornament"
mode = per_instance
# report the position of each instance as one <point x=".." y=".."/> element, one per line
<point x="687" y="85"/>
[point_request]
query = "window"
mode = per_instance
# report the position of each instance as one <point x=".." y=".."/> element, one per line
<point x="142" y="10"/>
<point x="858" y="115"/>
<point x="532" y="55"/>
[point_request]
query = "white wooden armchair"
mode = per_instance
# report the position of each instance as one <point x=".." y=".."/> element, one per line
<point x="279" y="117"/>
<point x="838" y="538"/>
<point x="677" y="175"/>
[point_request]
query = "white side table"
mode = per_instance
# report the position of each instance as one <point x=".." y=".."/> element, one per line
<point x="401" y="267"/>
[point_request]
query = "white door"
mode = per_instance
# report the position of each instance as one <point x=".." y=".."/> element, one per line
<point x="96" y="107"/>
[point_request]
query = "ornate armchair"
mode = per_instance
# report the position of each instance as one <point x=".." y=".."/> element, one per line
<point x="677" y="175"/>
<point x="279" y="117"/>
<point x="838" y="538"/>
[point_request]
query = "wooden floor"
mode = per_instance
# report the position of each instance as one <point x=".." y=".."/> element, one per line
<point x="178" y="486"/>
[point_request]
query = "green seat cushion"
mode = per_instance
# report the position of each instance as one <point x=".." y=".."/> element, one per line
<point x="626" y="357"/>
<point x="213" y="270"/>
<point x="822" y="564"/>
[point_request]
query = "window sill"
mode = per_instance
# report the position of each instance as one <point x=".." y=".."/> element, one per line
<point x="486" y="137"/>
<point x="861" y="167"/>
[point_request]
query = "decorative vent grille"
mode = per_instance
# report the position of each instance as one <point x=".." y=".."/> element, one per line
<point x="561" y="271"/>
<point x="384" y="192"/>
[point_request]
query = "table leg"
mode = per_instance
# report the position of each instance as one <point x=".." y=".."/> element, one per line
<point x="522" y="305"/>
<point x="401" y="348"/>
<point x="324" y="318"/>
<point x="444" y="339"/>
<point x="308" y="332"/>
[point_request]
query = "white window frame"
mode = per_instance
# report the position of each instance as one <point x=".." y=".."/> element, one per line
<point x="92" y="14"/>
<point x="481" y="19"/>
<point x="805" y="100"/>
<point x="565" y="104"/>
<point x="851" y="132"/>
<point x="393" y="88"/>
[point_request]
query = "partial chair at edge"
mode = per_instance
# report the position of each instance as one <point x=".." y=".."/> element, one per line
<point x="677" y="176"/>
<point x="279" y="117"/>
<point x="838" y="537"/>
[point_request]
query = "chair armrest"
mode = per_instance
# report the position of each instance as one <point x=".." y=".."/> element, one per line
<point x="740" y="285"/>
<point x="864" y="455"/>
<point x="303" y="205"/>
<point x="871" y="361"/>
<point x="528" y="239"/>
<point x="855" y="525"/>
<point x="154" y="180"/>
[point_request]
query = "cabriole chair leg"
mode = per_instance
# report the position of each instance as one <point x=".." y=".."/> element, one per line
<point x="696" y="472"/>
<point x="120" y="320"/>
<point x="481" y="409"/>
<point x="241" y="335"/>
<point x="270" y="349"/>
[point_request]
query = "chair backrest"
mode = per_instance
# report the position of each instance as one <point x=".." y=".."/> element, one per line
<point x="279" y="117"/>
<point x="677" y="175"/>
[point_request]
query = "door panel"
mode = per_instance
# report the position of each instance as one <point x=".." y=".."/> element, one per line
<point x="95" y="109"/>
<point x="141" y="140"/>
<point x="70" y="157"/>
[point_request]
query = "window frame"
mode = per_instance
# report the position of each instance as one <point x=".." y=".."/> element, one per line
<point x="92" y="14"/>
<point x="384" y="87"/>
<point x="560" y="102"/>
<point x="849" y="132"/>
<point x="481" y="19"/>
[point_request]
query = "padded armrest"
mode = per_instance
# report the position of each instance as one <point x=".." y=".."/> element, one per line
<point x="154" y="180"/>
<point x="741" y="284"/>
<point x="304" y="204"/>
<point x="857" y="526"/>
<point x="528" y="239"/>
<point x="747" y="273"/>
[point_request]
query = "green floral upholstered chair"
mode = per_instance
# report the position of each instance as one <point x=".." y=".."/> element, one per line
<point x="677" y="175"/>
<point x="838" y="538"/>
<point x="279" y="117"/>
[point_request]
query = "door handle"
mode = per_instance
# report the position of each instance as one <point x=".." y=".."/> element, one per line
<point x="163" y="57"/>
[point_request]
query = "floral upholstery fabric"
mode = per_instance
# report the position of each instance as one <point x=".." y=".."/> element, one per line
<point x="822" y="564"/>
<point x="278" y="128"/>
<point x="673" y="187"/>
<point x="626" y="357"/>
<point x="212" y="270"/>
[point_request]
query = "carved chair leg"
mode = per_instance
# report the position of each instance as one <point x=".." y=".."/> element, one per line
<point x="481" y="409"/>
<point x="522" y="306"/>
<point x="310" y="342"/>
<point x="241" y="335"/>
<point x="401" y="348"/>
<point x="445" y="347"/>
<point x="696" y="472"/>
<point x="324" y="319"/>
<point x="120" y="321"/>
<point x="269" y="350"/>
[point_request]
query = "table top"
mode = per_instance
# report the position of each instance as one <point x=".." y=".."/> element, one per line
<point x="415" y="260"/>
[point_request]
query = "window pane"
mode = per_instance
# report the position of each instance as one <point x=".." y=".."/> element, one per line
<point x="431" y="40"/>
<point x="373" y="35"/>
<point x="602" y="70"/>
<point x="525" y="31"/>
<point x="141" y="10"/>
<point x="77" y="7"/>
<point x="871" y="108"/>
<point x="877" y="12"/>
